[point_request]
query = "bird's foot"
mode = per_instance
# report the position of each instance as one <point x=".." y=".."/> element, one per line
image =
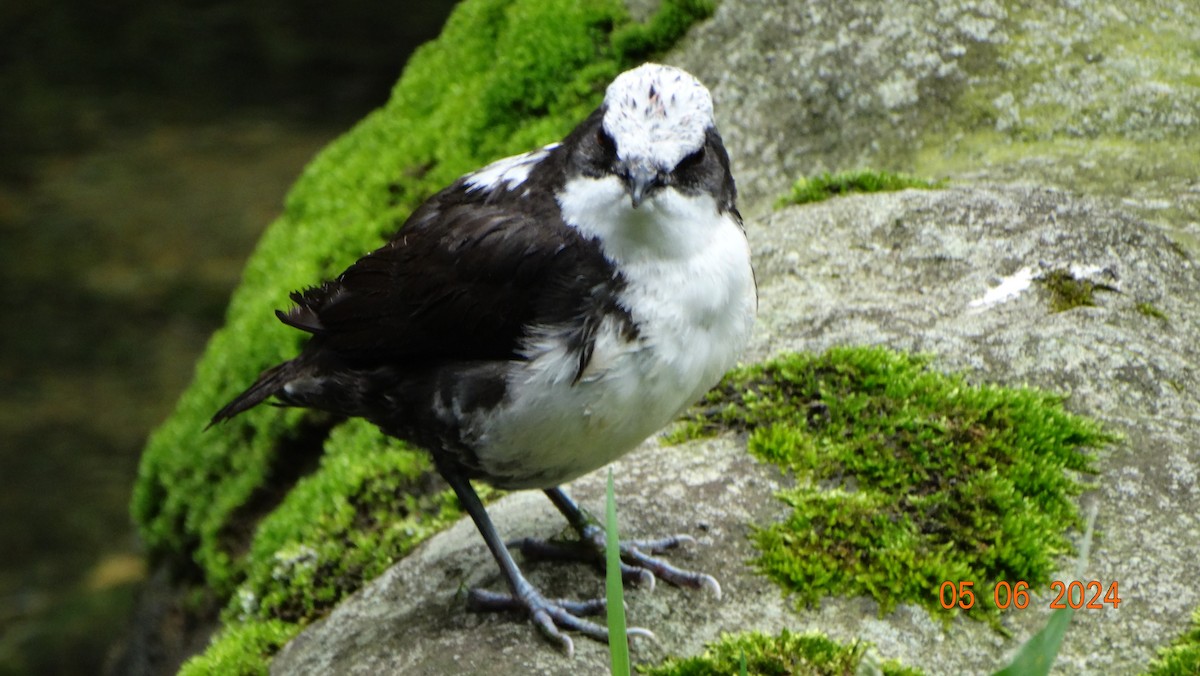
<point x="551" y="616"/>
<point x="639" y="566"/>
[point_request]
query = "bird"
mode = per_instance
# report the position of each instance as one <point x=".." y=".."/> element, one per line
<point x="541" y="317"/>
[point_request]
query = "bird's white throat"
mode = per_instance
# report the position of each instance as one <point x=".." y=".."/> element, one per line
<point x="690" y="290"/>
<point x="667" y="226"/>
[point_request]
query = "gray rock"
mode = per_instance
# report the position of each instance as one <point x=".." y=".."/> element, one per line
<point x="901" y="270"/>
<point x="824" y="86"/>
<point x="908" y="270"/>
<point x="1095" y="97"/>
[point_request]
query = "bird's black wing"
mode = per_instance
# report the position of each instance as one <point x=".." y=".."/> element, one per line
<point x="463" y="279"/>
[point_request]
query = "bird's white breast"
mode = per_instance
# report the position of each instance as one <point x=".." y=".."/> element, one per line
<point x="690" y="290"/>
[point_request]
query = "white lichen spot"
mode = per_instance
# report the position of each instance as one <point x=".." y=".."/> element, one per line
<point x="1008" y="114"/>
<point x="1102" y="277"/>
<point x="1182" y="473"/>
<point x="897" y="91"/>
<point x="1009" y="288"/>
<point x="247" y="602"/>
<point x="291" y="558"/>
<point x="1128" y="482"/>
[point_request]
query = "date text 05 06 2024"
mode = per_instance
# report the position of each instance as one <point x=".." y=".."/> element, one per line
<point x="1075" y="594"/>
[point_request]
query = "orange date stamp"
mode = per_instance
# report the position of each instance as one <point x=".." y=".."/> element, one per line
<point x="1093" y="595"/>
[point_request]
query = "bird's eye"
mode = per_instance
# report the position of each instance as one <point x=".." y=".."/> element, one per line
<point x="606" y="142"/>
<point x="691" y="160"/>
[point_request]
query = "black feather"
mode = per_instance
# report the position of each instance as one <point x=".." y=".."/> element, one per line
<point x="268" y="384"/>
<point x="464" y="281"/>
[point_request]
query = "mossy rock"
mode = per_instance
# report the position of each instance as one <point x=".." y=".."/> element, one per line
<point x="1182" y="657"/>
<point x="286" y="511"/>
<point x="788" y="653"/>
<point x="826" y="185"/>
<point x="906" y="478"/>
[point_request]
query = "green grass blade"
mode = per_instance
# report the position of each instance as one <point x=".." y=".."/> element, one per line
<point x="1037" y="655"/>
<point x="618" y="640"/>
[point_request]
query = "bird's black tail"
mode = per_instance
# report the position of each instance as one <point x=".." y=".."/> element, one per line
<point x="269" y="383"/>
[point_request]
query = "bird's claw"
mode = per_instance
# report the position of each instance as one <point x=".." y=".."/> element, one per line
<point x="638" y="565"/>
<point x="551" y="616"/>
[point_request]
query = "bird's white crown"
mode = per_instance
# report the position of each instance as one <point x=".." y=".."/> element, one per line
<point x="657" y="113"/>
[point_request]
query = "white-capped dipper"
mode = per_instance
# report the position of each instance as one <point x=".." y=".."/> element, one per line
<point x="541" y="317"/>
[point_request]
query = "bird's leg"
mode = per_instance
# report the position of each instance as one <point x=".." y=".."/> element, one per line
<point x="638" y="565"/>
<point x="551" y="616"/>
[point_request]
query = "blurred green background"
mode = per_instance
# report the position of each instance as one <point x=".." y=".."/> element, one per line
<point x="143" y="148"/>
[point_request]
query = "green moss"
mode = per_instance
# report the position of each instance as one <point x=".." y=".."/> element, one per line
<point x="826" y="185"/>
<point x="638" y="41"/>
<point x="1066" y="291"/>
<point x="221" y="501"/>
<point x="810" y="654"/>
<point x="241" y="651"/>
<point x="906" y="478"/>
<point x="1148" y="310"/>
<point x="1182" y="657"/>
<point x="370" y="502"/>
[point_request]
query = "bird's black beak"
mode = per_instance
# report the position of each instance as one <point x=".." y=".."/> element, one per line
<point x="641" y="180"/>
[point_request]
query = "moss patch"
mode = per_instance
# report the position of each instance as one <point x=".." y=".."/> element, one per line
<point x="1182" y="657"/>
<point x="1148" y="310"/>
<point x="285" y="512"/>
<point x="241" y="650"/>
<point x="810" y="654"/>
<point x="826" y="185"/>
<point x="372" y="500"/>
<point x="1066" y="291"/>
<point x="906" y="478"/>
